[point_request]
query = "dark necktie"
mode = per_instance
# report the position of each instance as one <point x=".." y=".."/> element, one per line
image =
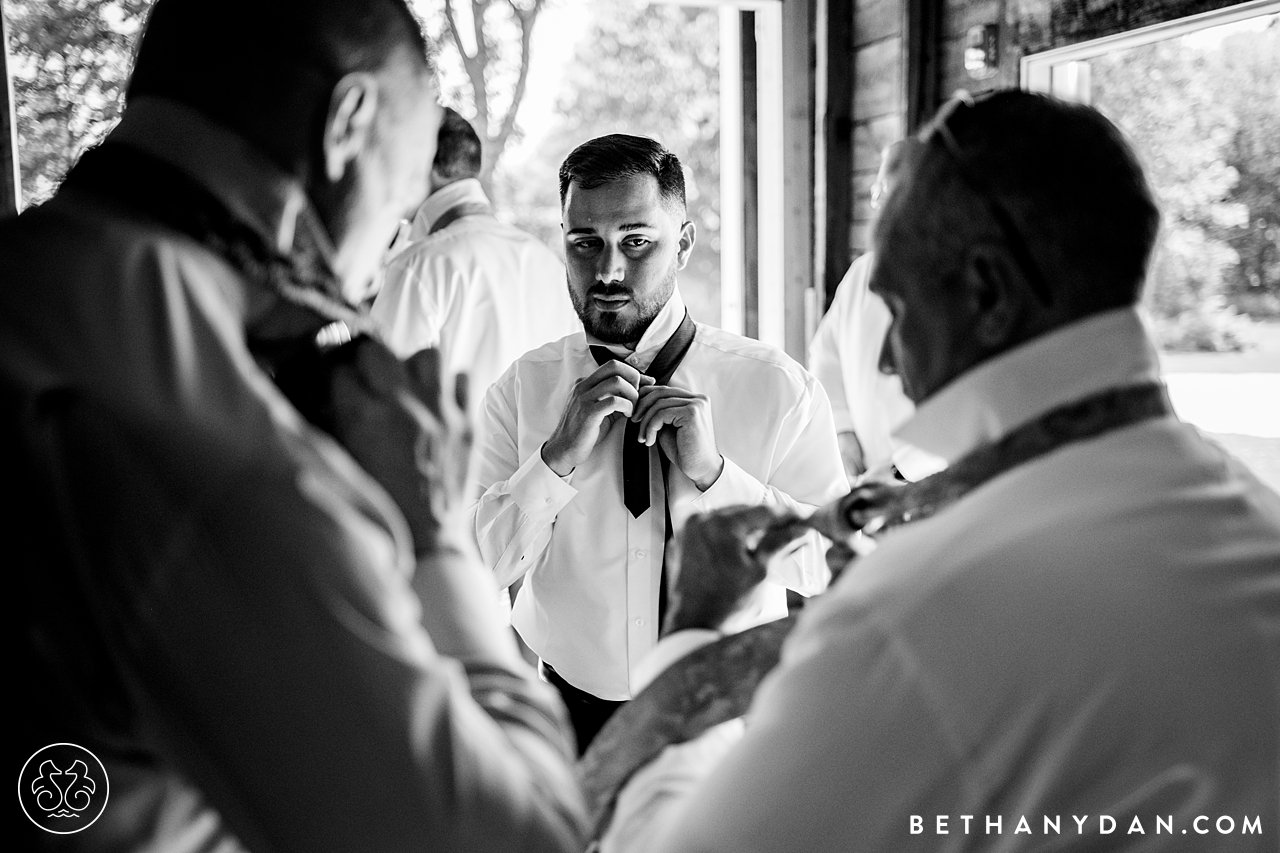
<point x="635" y="456"/>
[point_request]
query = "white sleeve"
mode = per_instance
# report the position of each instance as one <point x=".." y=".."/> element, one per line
<point x="411" y="307"/>
<point x="807" y="473"/>
<point x="826" y="352"/>
<point x="520" y="500"/>
<point x="652" y="799"/>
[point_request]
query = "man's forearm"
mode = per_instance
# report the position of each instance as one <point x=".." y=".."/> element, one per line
<point x="513" y="519"/>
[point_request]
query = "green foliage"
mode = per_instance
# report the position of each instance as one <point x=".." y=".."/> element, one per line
<point x="1206" y="121"/>
<point x="70" y="61"/>
<point x="484" y="74"/>
<point x="649" y="70"/>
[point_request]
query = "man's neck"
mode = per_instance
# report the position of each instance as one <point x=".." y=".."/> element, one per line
<point x="1101" y="351"/>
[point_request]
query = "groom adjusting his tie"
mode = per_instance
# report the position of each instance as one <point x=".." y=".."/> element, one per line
<point x="595" y="449"/>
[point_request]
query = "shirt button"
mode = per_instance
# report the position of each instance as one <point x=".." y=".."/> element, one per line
<point x="640" y="554"/>
<point x="549" y="501"/>
<point x="640" y="623"/>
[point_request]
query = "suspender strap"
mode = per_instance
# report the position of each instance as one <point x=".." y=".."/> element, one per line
<point x="453" y="214"/>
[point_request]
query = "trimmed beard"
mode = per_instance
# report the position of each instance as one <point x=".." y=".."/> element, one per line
<point x="608" y="326"/>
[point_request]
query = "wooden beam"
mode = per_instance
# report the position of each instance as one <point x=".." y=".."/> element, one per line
<point x="837" y="134"/>
<point x="922" y="75"/>
<point x="10" y="175"/>
<point x="798" y="157"/>
<point x="750" y="180"/>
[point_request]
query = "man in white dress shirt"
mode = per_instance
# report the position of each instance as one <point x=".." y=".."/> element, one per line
<point x="734" y="422"/>
<point x="844" y="355"/>
<point x="1068" y="639"/>
<point x="481" y="291"/>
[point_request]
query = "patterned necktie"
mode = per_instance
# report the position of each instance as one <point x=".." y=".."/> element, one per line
<point x="718" y="681"/>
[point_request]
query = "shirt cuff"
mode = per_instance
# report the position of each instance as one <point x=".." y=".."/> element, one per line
<point x="537" y="490"/>
<point x="734" y="487"/>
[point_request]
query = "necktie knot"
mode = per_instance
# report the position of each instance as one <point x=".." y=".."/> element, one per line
<point x="635" y="456"/>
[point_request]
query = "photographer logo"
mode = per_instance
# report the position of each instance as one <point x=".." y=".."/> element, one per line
<point x="63" y="788"/>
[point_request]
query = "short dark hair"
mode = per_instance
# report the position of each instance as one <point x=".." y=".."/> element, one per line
<point x="619" y="156"/>
<point x="1072" y="182"/>
<point x="210" y="54"/>
<point x="458" y="151"/>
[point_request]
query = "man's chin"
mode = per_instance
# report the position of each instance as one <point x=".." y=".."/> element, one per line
<point x="613" y="327"/>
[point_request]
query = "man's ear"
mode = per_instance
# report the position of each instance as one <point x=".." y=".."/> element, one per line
<point x="688" y="236"/>
<point x="995" y="295"/>
<point x="349" y="124"/>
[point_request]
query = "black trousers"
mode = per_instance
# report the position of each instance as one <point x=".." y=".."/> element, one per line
<point x="587" y="713"/>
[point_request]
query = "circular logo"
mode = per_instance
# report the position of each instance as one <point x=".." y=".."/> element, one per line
<point x="63" y="788"/>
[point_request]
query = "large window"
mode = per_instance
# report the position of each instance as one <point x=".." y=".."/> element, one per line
<point x="704" y="78"/>
<point x="536" y="77"/>
<point x="1200" y="100"/>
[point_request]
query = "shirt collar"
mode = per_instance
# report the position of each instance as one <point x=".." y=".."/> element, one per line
<point x="663" y="327"/>
<point x="259" y="192"/>
<point x="449" y="196"/>
<point x="1102" y="351"/>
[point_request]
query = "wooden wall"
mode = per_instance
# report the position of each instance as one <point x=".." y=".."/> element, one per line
<point x="879" y="103"/>
<point x="1032" y="26"/>
<point x="908" y="57"/>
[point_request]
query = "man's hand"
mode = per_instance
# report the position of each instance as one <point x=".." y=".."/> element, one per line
<point x="844" y="522"/>
<point x="691" y="441"/>
<point x="855" y="461"/>
<point x="612" y="389"/>
<point x="397" y="422"/>
<point x="720" y="558"/>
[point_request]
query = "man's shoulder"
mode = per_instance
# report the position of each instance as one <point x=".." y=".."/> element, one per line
<point x="748" y="354"/>
<point x="475" y="241"/>
<point x="551" y="356"/>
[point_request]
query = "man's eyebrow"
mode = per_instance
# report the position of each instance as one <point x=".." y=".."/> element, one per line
<point x="632" y="226"/>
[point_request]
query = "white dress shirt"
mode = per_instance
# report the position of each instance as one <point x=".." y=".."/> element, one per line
<point x="845" y="357"/>
<point x="1091" y="633"/>
<point x="482" y="291"/>
<point x="589" y="604"/>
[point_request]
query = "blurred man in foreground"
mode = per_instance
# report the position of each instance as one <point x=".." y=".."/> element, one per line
<point x="1068" y="639"/>
<point x="271" y="641"/>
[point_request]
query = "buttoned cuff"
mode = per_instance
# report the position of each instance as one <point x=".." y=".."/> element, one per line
<point x="734" y="487"/>
<point x="539" y="491"/>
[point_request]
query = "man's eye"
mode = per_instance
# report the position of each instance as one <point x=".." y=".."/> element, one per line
<point x="586" y="245"/>
<point x="636" y="242"/>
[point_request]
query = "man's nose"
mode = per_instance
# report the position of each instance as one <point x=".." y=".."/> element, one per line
<point x="611" y="265"/>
